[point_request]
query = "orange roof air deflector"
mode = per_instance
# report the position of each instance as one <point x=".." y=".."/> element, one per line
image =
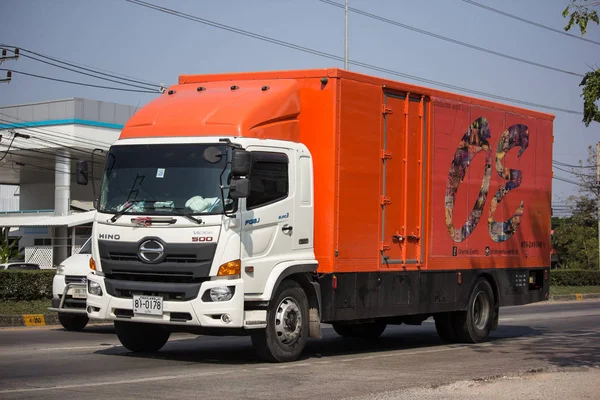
<point x="370" y="79"/>
<point x="258" y="108"/>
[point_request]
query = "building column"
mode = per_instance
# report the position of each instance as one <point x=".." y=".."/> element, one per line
<point x="62" y="203"/>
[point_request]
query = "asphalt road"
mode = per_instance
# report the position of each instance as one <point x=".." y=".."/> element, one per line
<point x="50" y="363"/>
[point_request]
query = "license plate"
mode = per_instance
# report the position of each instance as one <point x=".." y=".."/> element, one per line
<point x="147" y="305"/>
<point x="79" y="293"/>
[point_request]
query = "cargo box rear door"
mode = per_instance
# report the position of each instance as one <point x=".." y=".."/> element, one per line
<point x="403" y="169"/>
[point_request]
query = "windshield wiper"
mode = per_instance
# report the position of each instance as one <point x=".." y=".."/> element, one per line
<point x="128" y="205"/>
<point x="187" y="215"/>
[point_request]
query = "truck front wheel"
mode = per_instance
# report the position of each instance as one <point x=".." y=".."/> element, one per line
<point x="142" y="338"/>
<point x="73" y="322"/>
<point x="286" y="333"/>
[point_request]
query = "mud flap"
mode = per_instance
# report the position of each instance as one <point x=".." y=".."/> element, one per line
<point x="314" y="330"/>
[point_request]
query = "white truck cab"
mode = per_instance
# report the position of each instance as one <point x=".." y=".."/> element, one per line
<point x="196" y="234"/>
<point x="69" y="289"/>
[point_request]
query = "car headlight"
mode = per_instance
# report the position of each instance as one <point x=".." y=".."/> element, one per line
<point x="94" y="288"/>
<point x="60" y="270"/>
<point x="221" y="293"/>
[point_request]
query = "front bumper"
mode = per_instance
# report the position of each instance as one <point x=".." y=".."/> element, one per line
<point x="62" y="299"/>
<point x="194" y="312"/>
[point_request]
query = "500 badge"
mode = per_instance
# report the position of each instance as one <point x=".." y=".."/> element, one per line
<point x="476" y="140"/>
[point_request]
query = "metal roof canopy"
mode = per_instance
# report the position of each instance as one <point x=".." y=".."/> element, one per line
<point x="48" y="220"/>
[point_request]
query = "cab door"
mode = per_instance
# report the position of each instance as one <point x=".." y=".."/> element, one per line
<point x="268" y="219"/>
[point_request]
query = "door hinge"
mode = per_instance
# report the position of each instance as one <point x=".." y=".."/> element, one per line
<point x="386" y="155"/>
<point x="385" y="201"/>
<point x="386" y="110"/>
<point x="383" y="246"/>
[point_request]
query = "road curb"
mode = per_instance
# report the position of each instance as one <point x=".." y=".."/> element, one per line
<point x="29" y="320"/>
<point x="578" y="297"/>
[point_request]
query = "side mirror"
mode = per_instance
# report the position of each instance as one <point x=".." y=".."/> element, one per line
<point x="95" y="203"/>
<point x="241" y="160"/>
<point x="82" y="172"/>
<point x="239" y="188"/>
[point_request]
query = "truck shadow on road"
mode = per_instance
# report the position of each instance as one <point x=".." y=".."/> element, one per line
<point x="573" y="348"/>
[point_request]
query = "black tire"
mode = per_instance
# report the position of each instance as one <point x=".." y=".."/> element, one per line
<point x="367" y="330"/>
<point x="474" y="325"/>
<point x="280" y="342"/>
<point x="444" y="325"/>
<point x="73" y="322"/>
<point x="141" y="338"/>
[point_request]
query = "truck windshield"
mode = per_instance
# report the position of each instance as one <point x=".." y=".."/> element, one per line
<point x="164" y="179"/>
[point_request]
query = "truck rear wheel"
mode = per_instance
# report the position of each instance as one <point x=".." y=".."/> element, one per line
<point x="286" y="333"/>
<point x="474" y="325"/>
<point x="367" y="330"/>
<point x="73" y="322"/>
<point x="142" y="338"/>
<point x="444" y="325"/>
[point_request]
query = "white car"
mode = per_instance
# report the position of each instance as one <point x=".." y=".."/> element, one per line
<point x="69" y="289"/>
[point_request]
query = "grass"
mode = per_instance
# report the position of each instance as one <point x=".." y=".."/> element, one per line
<point x="15" y="307"/>
<point x="573" y="289"/>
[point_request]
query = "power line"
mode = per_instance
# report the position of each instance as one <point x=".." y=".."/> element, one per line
<point x="341" y="59"/>
<point x="574" y="173"/>
<point x="573" y="166"/>
<point x="447" y="39"/>
<point x="61" y="145"/>
<point x="78" y="83"/>
<point x="527" y="21"/>
<point x="88" y="68"/>
<point x="558" y="178"/>
<point x="46" y="131"/>
<point x="85" y="73"/>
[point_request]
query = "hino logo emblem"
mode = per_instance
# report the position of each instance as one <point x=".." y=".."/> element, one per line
<point x="152" y="251"/>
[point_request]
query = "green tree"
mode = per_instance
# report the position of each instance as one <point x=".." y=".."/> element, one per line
<point x="580" y="13"/>
<point x="8" y="247"/>
<point x="575" y="238"/>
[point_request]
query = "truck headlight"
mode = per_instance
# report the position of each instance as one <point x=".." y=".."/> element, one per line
<point x="94" y="288"/>
<point x="60" y="270"/>
<point x="221" y="293"/>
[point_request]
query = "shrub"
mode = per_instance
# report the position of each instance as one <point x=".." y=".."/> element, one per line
<point x="574" y="277"/>
<point x="26" y="285"/>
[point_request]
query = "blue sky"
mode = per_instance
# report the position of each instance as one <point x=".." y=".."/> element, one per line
<point x="122" y="37"/>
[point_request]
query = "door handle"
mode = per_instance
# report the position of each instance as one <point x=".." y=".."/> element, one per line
<point x="286" y="228"/>
<point x="398" y="238"/>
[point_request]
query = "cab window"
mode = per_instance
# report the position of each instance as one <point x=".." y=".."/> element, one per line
<point x="269" y="180"/>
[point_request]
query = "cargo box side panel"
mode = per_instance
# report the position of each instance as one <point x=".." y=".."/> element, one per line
<point x="487" y="208"/>
<point x="359" y="177"/>
<point x="318" y="124"/>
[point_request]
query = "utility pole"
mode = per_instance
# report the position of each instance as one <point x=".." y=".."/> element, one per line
<point x="6" y="57"/>
<point x="346" y="60"/>
<point x="598" y="194"/>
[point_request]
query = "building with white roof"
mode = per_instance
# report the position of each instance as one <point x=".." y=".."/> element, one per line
<point x="40" y="145"/>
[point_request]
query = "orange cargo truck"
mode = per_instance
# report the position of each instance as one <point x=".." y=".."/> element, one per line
<point x="266" y="203"/>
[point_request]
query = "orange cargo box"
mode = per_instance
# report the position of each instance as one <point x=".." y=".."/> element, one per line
<point x="406" y="177"/>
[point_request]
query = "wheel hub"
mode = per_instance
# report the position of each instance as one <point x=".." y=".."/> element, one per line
<point x="481" y="310"/>
<point x="288" y="321"/>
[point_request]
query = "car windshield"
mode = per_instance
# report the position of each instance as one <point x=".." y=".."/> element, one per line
<point x="164" y="179"/>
